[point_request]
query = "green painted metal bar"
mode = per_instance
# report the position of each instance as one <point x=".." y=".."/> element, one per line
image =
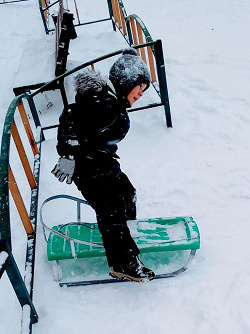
<point x="80" y="67"/>
<point x="152" y="105"/>
<point x="143" y="27"/>
<point x="23" y="288"/>
<point x="4" y="169"/>
<point x="122" y="8"/>
<point x="157" y="49"/>
<point x="34" y="111"/>
<point x="43" y="17"/>
<point x="162" y="80"/>
<point x="149" y="106"/>
<point x="91" y="22"/>
<point x="50" y="127"/>
<point x="13" y="1"/>
<point x="30" y="258"/>
<point x="17" y="282"/>
<point x="111" y="13"/>
<point x="50" y="5"/>
<point x="31" y="241"/>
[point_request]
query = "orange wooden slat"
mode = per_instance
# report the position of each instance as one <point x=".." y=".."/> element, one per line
<point x="115" y="10"/>
<point x="23" y="156"/>
<point x="119" y="17"/>
<point x="19" y="203"/>
<point x="46" y="11"/>
<point x="123" y="22"/>
<point x="132" y="24"/>
<point x="142" y="51"/>
<point x="27" y="128"/>
<point x="151" y="64"/>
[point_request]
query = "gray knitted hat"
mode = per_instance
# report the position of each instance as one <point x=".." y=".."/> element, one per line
<point x="129" y="71"/>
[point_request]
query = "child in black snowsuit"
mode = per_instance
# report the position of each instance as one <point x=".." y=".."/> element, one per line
<point x="88" y="134"/>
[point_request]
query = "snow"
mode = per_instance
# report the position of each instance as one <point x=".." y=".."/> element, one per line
<point x="198" y="168"/>
<point x="25" y="319"/>
<point x="3" y="258"/>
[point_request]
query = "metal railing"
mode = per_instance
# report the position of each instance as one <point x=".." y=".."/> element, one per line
<point x="135" y="33"/>
<point x="2" y="2"/>
<point x="142" y="48"/>
<point x="8" y="184"/>
<point x="45" y="5"/>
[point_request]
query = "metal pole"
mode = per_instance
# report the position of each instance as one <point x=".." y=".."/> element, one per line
<point x="162" y="81"/>
<point x="111" y="14"/>
<point x="77" y="14"/>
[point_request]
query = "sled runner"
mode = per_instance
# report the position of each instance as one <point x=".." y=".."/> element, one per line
<point x="83" y="240"/>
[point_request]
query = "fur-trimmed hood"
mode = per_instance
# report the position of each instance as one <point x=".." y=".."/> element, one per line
<point x="89" y="81"/>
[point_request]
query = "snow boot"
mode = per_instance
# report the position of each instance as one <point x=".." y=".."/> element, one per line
<point x="134" y="271"/>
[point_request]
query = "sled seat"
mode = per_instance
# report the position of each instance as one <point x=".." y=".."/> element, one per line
<point x="83" y="240"/>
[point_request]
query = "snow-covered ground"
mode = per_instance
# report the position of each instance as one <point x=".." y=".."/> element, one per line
<point x="200" y="167"/>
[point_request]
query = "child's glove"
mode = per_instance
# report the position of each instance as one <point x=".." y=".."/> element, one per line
<point x="64" y="169"/>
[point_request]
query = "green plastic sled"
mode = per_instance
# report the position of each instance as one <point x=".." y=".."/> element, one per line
<point x="83" y="240"/>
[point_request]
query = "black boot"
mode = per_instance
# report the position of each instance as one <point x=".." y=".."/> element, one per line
<point x="132" y="271"/>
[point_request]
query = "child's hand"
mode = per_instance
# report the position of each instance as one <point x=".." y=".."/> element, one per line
<point x="64" y="169"/>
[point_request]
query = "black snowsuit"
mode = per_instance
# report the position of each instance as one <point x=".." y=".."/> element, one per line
<point x="89" y="130"/>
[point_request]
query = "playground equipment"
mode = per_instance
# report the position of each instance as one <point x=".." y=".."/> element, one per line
<point x="27" y="121"/>
<point x="134" y="32"/>
<point x="8" y="183"/>
<point x="25" y="105"/>
<point x="22" y="287"/>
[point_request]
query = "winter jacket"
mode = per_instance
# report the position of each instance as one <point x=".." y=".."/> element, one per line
<point x="90" y="128"/>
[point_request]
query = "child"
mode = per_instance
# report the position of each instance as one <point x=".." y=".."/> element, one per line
<point x="88" y="134"/>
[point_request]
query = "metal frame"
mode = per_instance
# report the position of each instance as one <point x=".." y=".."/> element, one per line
<point x="5" y="2"/>
<point x="16" y="280"/>
<point x="22" y="287"/>
<point x="44" y="8"/>
<point x="125" y="24"/>
<point x="156" y="45"/>
<point x="111" y="280"/>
